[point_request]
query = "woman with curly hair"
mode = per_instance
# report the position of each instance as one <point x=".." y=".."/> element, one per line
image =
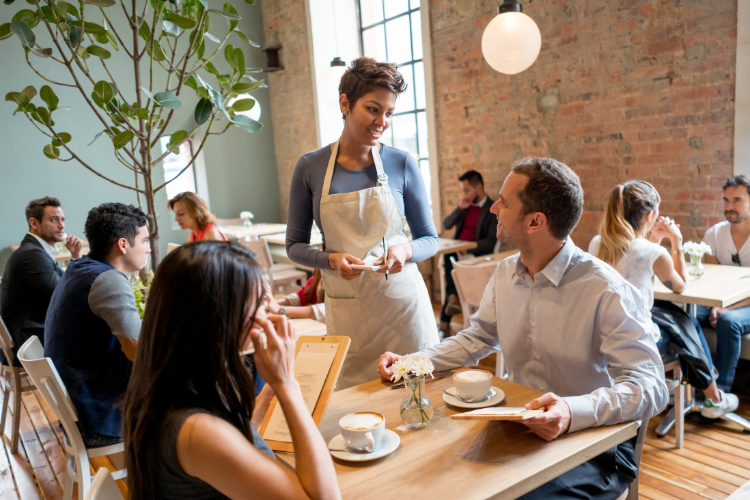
<point x="191" y="212"/>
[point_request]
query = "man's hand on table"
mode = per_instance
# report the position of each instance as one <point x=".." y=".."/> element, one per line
<point x="386" y="360"/>
<point x="553" y="422"/>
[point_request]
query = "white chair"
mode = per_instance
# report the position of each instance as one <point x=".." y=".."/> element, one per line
<point x="172" y="246"/>
<point x="12" y="387"/>
<point x="278" y="275"/>
<point x="632" y="492"/>
<point x="103" y="487"/>
<point x="43" y="373"/>
<point x="470" y="284"/>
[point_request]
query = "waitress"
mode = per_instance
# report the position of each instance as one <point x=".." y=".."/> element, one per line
<point x="359" y="191"/>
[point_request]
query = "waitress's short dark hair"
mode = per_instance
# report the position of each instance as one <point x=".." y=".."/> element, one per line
<point x="365" y="74"/>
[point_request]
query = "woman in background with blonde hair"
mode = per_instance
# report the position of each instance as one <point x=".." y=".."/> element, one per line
<point x="191" y="212"/>
<point x="629" y="241"/>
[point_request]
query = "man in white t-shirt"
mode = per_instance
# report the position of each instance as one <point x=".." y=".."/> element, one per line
<point x="730" y="246"/>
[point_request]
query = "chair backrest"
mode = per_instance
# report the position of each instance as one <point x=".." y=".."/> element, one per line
<point x="262" y="253"/>
<point x="47" y="380"/>
<point x="104" y="487"/>
<point x="229" y="222"/>
<point x="6" y="343"/>
<point x="471" y="281"/>
<point x="172" y="246"/>
<point x="642" y="431"/>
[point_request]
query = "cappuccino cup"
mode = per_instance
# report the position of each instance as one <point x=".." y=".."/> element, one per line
<point x="362" y="430"/>
<point x="473" y="385"/>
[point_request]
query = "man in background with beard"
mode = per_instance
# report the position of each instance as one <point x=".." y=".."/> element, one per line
<point x="730" y="247"/>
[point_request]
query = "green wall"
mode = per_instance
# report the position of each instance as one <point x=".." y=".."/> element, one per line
<point x="240" y="167"/>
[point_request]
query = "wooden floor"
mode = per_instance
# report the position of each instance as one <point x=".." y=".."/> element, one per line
<point x="714" y="462"/>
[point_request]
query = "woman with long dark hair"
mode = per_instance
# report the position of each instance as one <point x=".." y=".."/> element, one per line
<point x="629" y="241"/>
<point x="190" y="412"/>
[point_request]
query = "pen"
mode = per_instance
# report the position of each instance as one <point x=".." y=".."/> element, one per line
<point x="385" y="257"/>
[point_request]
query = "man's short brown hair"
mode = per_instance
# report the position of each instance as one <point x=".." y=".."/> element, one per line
<point x="554" y="190"/>
<point x="35" y="208"/>
<point x="365" y="74"/>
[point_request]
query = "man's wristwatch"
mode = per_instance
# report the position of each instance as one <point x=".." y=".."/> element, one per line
<point x="282" y="310"/>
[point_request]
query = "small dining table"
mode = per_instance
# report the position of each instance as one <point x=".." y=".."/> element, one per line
<point x="450" y="458"/>
<point x="447" y="245"/>
<point x="253" y="232"/>
<point x="720" y="286"/>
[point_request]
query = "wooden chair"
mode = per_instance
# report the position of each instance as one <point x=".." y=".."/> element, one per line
<point x="278" y="275"/>
<point x="43" y="373"/>
<point x="12" y="387"/>
<point x="103" y="487"/>
<point x="229" y="222"/>
<point x="470" y="284"/>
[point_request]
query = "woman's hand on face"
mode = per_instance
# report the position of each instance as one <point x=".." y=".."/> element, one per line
<point x="275" y="362"/>
<point x="341" y="262"/>
<point x="269" y="302"/>
<point x="397" y="257"/>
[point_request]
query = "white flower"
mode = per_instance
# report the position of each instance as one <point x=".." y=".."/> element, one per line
<point x="696" y="249"/>
<point x="246" y="215"/>
<point x="415" y="364"/>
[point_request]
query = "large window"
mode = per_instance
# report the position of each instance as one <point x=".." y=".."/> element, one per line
<point x="392" y="31"/>
<point x="174" y="164"/>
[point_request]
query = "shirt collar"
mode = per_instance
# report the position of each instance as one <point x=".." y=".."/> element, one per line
<point x="481" y="203"/>
<point x="555" y="270"/>
<point x="47" y="247"/>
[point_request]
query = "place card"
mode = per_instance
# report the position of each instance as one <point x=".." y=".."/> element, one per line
<point x="311" y="367"/>
<point x="505" y="413"/>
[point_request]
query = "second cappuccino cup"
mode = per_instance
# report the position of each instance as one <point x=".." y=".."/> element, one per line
<point x="473" y="385"/>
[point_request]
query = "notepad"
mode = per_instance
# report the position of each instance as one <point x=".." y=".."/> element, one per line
<point x="365" y="267"/>
<point x="505" y="413"/>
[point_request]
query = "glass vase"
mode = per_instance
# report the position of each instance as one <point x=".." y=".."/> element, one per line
<point x="695" y="269"/>
<point x="247" y="222"/>
<point x="416" y="408"/>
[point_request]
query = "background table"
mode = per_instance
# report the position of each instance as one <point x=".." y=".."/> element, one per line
<point x="447" y="245"/>
<point x="63" y="256"/>
<point x="458" y="459"/>
<point x="492" y="259"/>
<point x="720" y="286"/>
<point x="254" y="231"/>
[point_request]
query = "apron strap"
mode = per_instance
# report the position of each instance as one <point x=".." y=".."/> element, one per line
<point x="382" y="178"/>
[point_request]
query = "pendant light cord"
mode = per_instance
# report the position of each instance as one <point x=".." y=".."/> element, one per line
<point x="335" y="28"/>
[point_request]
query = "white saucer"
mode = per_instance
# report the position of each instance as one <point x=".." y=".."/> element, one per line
<point x="388" y="445"/>
<point x="499" y="396"/>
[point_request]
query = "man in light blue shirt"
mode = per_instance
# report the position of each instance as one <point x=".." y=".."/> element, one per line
<point x="567" y="324"/>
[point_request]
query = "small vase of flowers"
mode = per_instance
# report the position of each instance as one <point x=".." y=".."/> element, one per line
<point x="247" y="218"/>
<point x="696" y="251"/>
<point x="416" y="408"/>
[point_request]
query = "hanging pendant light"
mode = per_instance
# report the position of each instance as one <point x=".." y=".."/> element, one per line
<point x="331" y="80"/>
<point x="512" y="41"/>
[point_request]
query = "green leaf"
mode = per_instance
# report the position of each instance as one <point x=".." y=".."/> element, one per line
<point x="246" y="123"/>
<point x="5" y="31"/>
<point x="228" y="7"/>
<point x="245" y="87"/>
<point x="202" y="93"/>
<point x="142" y="113"/>
<point x="23" y="32"/>
<point x="101" y="38"/>
<point x="49" y="14"/>
<point x="170" y="28"/>
<point x="27" y="16"/>
<point x="211" y="68"/>
<point x="104" y="91"/>
<point x="148" y="94"/>
<point x="168" y="100"/>
<point x="30" y="91"/>
<point x="203" y="111"/>
<point x="122" y="139"/>
<point x="65" y="139"/>
<point x="243" y="105"/>
<point x="253" y="70"/>
<point x="8" y="2"/>
<point x="144" y="31"/>
<point x="51" y="152"/>
<point x="190" y="82"/>
<point x="75" y="35"/>
<point x="201" y="50"/>
<point x="73" y="11"/>
<point x="93" y="28"/>
<point x="180" y="21"/>
<point x="226" y="15"/>
<point x="238" y="60"/>
<point x="158" y="52"/>
<point x="97" y="51"/>
<point x="204" y="3"/>
<point x="262" y="84"/>
<point x="211" y="37"/>
<point x="18" y="97"/>
<point x="96" y="137"/>
<point x="176" y="139"/>
<point x="49" y="97"/>
<point x="42" y="52"/>
<point x="245" y="39"/>
<point x="41" y="114"/>
<point x="112" y="40"/>
<point x="228" y="55"/>
<point x="251" y="2"/>
<point x="99" y="3"/>
<point x="62" y="9"/>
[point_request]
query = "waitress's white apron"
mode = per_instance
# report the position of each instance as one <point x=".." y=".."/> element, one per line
<point x="378" y="315"/>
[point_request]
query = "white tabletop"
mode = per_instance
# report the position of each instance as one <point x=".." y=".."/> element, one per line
<point x="720" y="286"/>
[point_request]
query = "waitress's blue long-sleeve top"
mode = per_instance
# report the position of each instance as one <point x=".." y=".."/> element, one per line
<point x="404" y="179"/>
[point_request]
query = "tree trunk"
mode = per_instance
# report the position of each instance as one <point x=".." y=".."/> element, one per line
<point x="153" y="223"/>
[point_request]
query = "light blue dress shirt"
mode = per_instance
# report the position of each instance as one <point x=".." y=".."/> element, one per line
<point x="577" y="329"/>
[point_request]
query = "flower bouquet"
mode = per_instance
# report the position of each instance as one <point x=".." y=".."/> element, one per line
<point x="696" y="251"/>
<point x="247" y="218"/>
<point x="416" y="408"/>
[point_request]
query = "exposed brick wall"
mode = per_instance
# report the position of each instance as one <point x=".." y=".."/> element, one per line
<point x="291" y="89"/>
<point x="622" y="89"/>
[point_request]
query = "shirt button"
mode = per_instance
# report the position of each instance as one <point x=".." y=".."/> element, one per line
<point x="541" y="388"/>
<point x="537" y="356"/>
<point x="533" y="323"/>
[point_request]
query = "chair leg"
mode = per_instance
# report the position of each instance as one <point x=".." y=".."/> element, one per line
<point x="16" y="411"/>
<point x="84" y="476"/>
<point x="6" y="396"/>
<point x="68" y="486"/>
<point x="679" y="425"/>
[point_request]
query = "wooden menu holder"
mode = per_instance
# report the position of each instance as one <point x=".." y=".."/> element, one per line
<point x="325" y="393"/>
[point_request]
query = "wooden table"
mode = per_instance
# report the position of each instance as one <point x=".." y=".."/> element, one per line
<point x="316" y="240"/>
<point x="492" y="259"/>
<point x="62" y="256"/>
<point x="720" y="286"/>
<point x="447" y="245"/>
<point x="458" y="459"/>
<point x="254" y="231"/>
<point x="277" y="247"/>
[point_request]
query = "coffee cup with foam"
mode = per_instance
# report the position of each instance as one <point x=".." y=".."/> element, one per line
<point x="362" y="430"/>
<point x="473" y="385"/>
